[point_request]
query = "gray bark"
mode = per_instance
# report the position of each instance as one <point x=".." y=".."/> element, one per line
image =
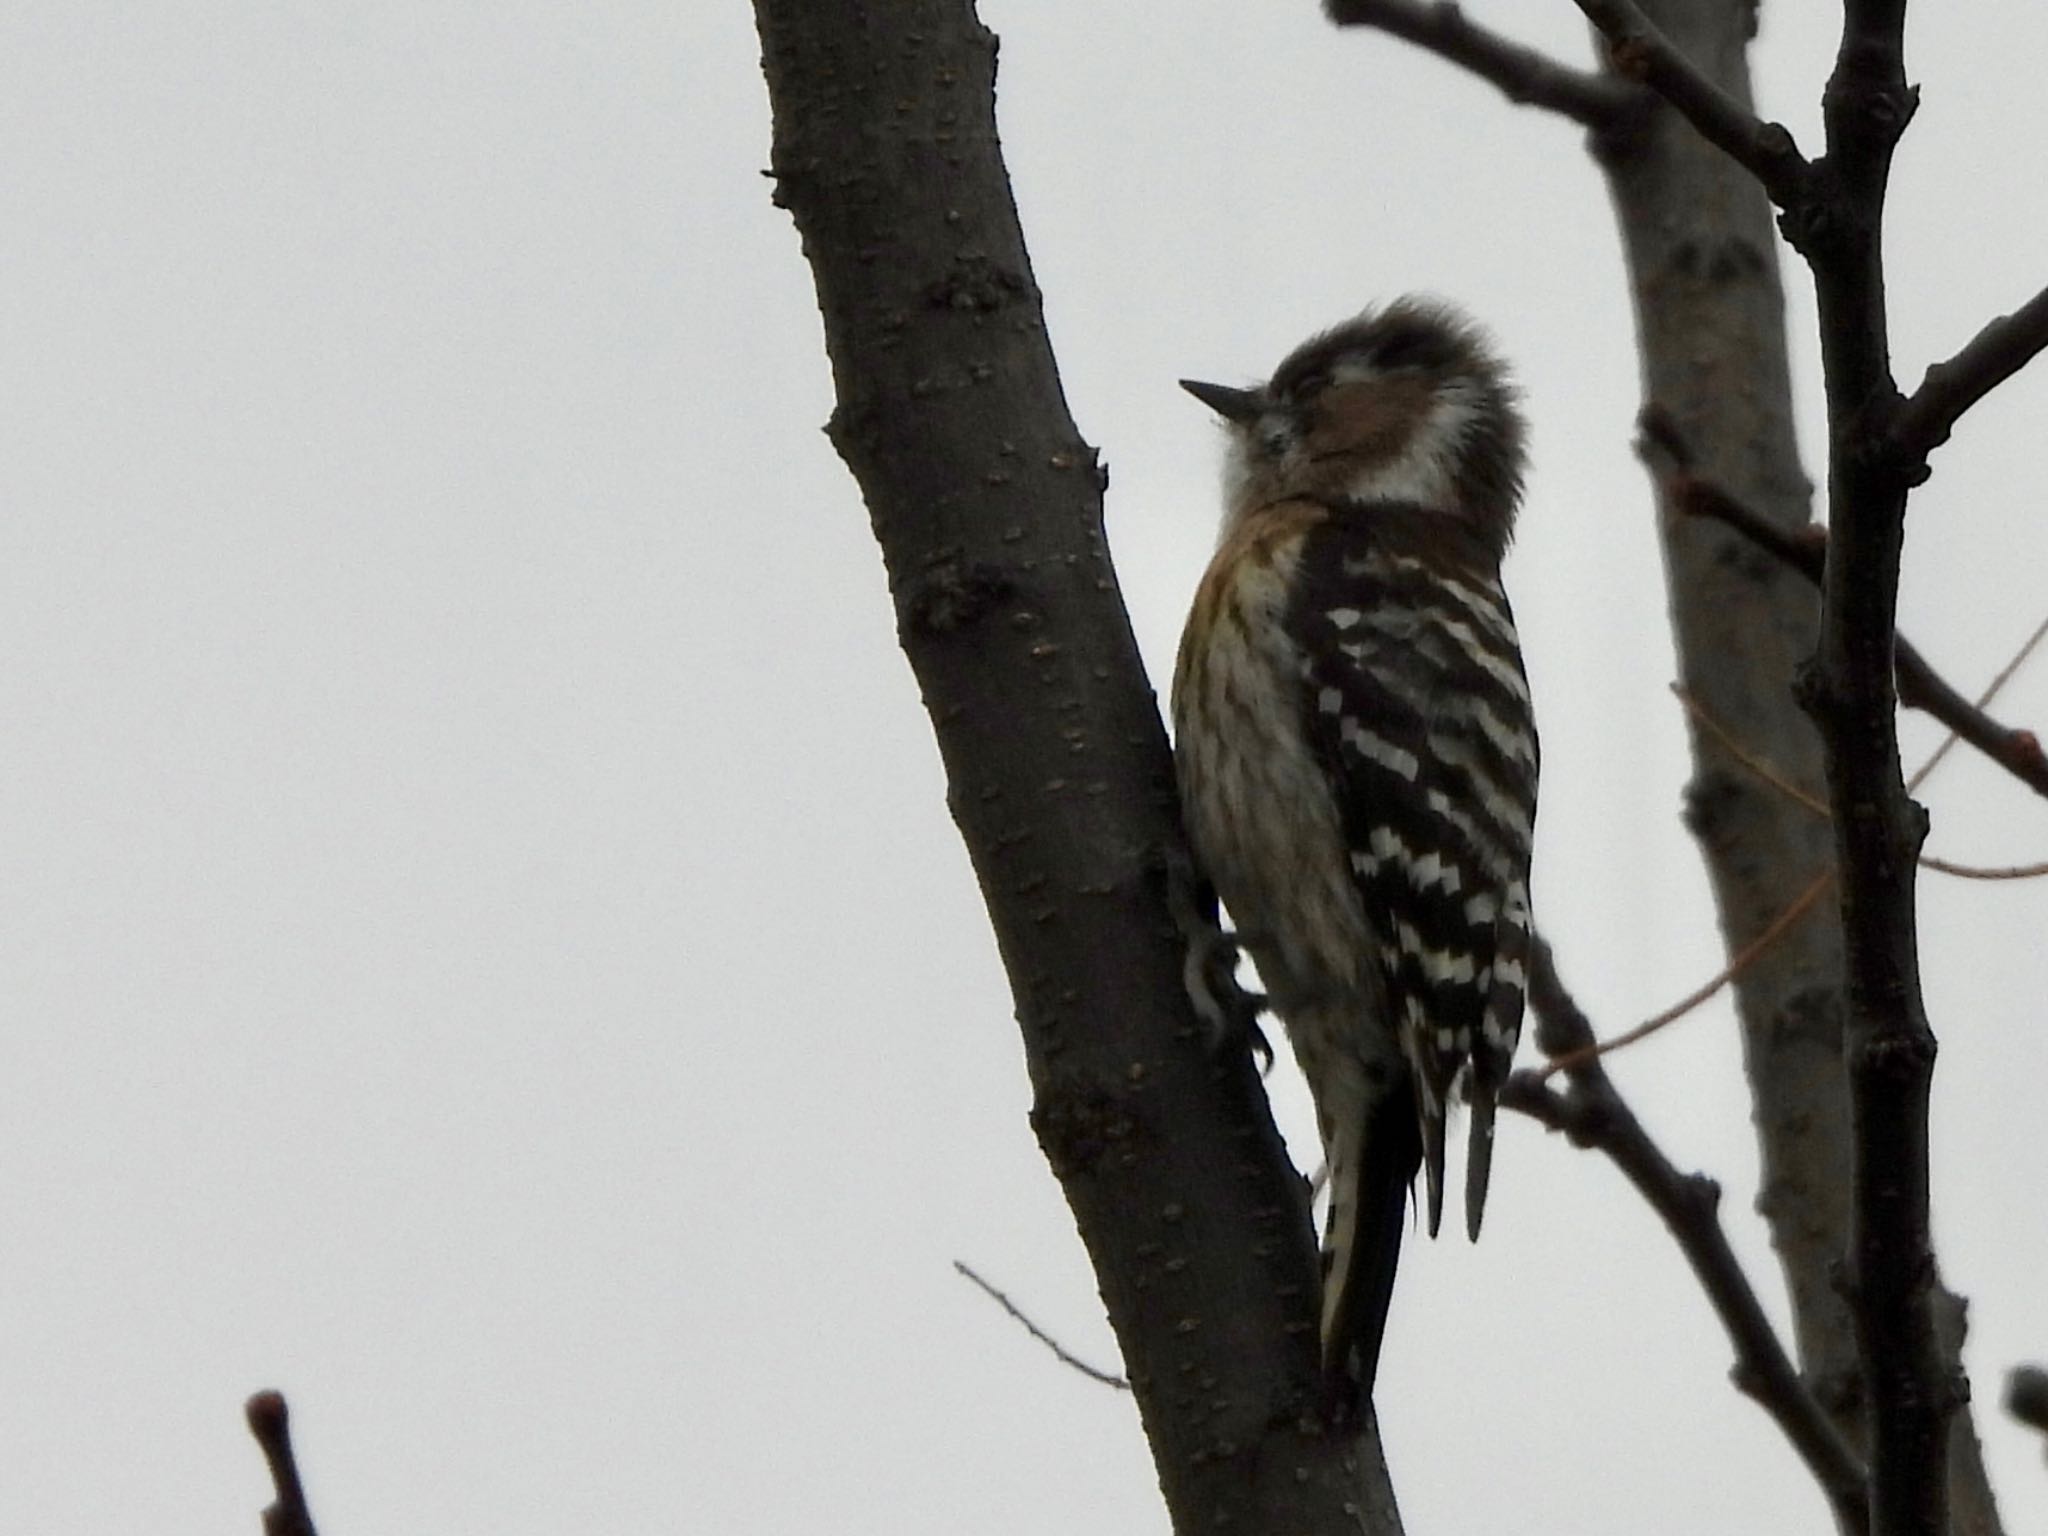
<point x="1701" y="251"/>
<point x="987" y="505"/>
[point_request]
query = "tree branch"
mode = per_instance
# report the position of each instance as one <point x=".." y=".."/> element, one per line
<point x="1911" y="1385"/>
<point x="2005" y="346"/>
<point x="1523" y="74"/>
<point x="1593" y="1114"/>
<point x="1767" y="938"/>
<point x="1805" y="551"/>
<point x="2019" y="751"/>
<point x="1769" y="774"/>
<point x="1682" y="261"/>
<point x="1639" y="51"/>
<point x="987" y="506"/>
<point x="1697" y="234"/>
<point x="1060" y="1351"/>
<point x="270" y="1423"/>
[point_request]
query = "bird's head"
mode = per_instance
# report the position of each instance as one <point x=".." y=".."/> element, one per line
<point x="1403" y="404"/>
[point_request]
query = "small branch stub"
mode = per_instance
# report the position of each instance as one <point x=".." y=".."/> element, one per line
<point x="270" y="1423"/>
<point x="1997" y="352"/>
<point x="2026" y="1397"/>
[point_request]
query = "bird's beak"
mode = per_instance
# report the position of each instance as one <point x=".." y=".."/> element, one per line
<point x="1230" y="404"/>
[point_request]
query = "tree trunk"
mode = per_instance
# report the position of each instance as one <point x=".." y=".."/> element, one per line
<point x="987" y="505"/>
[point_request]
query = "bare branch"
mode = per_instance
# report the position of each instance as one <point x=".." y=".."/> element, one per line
<point x="1593" y="1114"/>
<point x="1639" y="51"/>
<point x="1833" y="214"/>
<point x="1992" y="356"/>
<point x="1784" y="786"/>
<point x="270" y="1423"/>
<point x="1920" y="687"/>
<point x="1578" y="1056"/>
<point x="1912" y="1383"/>
<point x="1060" y="1352"/>
<point x="1983" y="872"/>
<point x="1524" y="75"/>
<point x="2019" y="752"/>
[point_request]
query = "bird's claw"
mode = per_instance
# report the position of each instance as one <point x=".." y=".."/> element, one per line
<point x="1229" y="1013"/>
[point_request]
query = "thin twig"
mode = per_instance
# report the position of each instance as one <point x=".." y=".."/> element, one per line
<point x="1771" y="776"/>
<point x="1664" y="450"/>
<point x="1747" y="956"/>
<point x="1744" y="756"/>
<point x="1108" y="1379"/>
<point x="1593" y="1114"/>
<point x="1524" y="75"/>
<point x="1639" y="51"/>
<point x="2029" y="742"/>
<point x="1782" y="923"/>
<point x="1992" y="356"/>
<point x="1985" y="871"/>
<point x="270" y="1423"/>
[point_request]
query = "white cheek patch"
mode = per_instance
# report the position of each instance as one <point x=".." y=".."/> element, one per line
<point x="1237" y="479"/>
<point x="1262" y="454"/>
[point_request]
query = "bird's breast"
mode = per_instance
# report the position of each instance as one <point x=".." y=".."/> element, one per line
<point x="1259" y="806"/>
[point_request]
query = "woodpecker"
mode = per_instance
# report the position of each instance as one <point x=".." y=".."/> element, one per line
<point x="1357" y="760"/>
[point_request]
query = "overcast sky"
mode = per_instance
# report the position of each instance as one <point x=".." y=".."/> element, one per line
<point x="482" y="947"/>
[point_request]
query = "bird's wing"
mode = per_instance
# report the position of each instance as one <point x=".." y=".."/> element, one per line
<point x="1417" y="704"/>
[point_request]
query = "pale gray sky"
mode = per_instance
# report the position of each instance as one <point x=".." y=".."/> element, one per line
<point x="481" y="943"/>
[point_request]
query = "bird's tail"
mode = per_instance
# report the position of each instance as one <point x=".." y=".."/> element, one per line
<point x="1478" y="1162"/>
<point x="1372" y="1160"/>
<point x="1493" y="1055"/>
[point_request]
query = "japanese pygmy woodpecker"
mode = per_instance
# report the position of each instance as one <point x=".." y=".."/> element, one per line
<point x="1357" y="759"/>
